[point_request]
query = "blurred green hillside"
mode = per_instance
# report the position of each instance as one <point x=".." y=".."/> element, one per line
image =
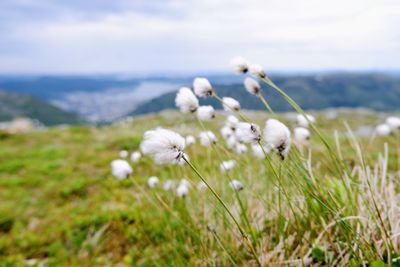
<point x="14" y="105"/>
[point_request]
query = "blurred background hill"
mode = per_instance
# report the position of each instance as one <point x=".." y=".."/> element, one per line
<point x="101" y="99"/>
<point x="98" y="61"/>
<point x="14" y="105"/>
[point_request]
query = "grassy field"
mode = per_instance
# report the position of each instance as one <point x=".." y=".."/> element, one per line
<point x="60" y="205"/>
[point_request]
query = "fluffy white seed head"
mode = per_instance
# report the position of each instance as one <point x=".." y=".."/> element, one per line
<point x="231" y="142"/>
<point x="185" y="182"/>
<point x="227" y="165"/>
<point x="277" y="137"/>
<point x="169" y="185"/>
<point x="393" y="122"/>
<point x="303" y="122"/>
<point x="186" y="101"/>
<point x="202" y="87"/>
<point x="236" y="185"/>
<point x="301" y="135"/>
<point x="239" y="65"/>
<point x="226" y="132"/>
<point x="231" y="122"/>
<point x="207" y="138"/>
<point x="252" y="86"/>
<point x="190" y="140"/>
<point x="163" y="145"/>
<point x="182" y="191"/>
<point x="152" y="182"/>
<point x="205" y="113"/>
<point x="123" y="154"/>
<point x="383" y="130"/>
<point x="248" y="132"/>
<point x="258" y="71"/>
<point x="230" y="104"/>
<point x="121" y="169"/>
<point x="240" y="148"/>
<point x="135" y="156"/>
<point x="258" y="151"/>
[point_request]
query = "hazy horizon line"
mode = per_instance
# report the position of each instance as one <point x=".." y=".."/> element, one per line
<point x="198" y="73"/>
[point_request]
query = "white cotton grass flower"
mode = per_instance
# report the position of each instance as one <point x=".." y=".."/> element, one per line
<point x="383" y="130"/>
<point x="186" y="101"/>
<point x="227" y="165"/>
<point x="190" y="140"/>
<point x="248" y="132"/>
<point x="231" y="122"/>
<point x="226" y="132"/>
<point x="393" y="122"/>
<point x="168" y="185"/>
<point x="202" y="87"/>
<point x="121" y="169"/>
<point x="231" y="141"/>
<point x="207" y="138"/>
<point x="185" y="182"/>
<point x="135" y="156"/>
<point x="258" y="150"/>
<point x="236" y="185"/>
<point x="230" y="104"/>
<point x="182" y="191"/>
<point x="302" y="120"/>
<point x="123" y="154"/>
<point x="257" y="70"/>
<point x="252" y="86"/>
<point x="205" y="113"/>
<point x="277" y="137"/>
<point x="201" y="186"/>
<point x="240" y="148"/>
<point x="153" y="181"/>
<point x="239" y="65"/>
<point x="301" y="135"/>
<point x="164" y="146"/>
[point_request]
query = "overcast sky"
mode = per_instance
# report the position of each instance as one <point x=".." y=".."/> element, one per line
<point x="189" y="36"/>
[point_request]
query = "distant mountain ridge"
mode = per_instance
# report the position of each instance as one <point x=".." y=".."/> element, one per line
<point x="49" y="87"/>
<point x="13" y="105"/>
<point x="375" y="91"/>
<point x="105" y="98"/>
<point x="100" y="98"/>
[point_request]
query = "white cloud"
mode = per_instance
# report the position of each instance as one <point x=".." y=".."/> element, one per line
<point x="202" y="35"/>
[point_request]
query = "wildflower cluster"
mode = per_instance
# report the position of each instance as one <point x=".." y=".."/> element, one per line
<point x="278" y="147"/>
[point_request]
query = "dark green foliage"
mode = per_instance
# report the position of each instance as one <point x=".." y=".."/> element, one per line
<point x="6" y="225"/>
<point x="318" y="254"/>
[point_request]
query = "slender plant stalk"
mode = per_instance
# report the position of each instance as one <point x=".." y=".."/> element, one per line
<point x="242" y="207"/>
<point x="165" y="205"/>
<point x="261" y="97"/>
<point x="340" y="167"/>
<point x="242" y="232"/>
<point x="279" y="181"/>
<point x="219" y="241"/>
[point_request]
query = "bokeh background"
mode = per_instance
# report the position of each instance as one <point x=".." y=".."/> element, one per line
<point x="99" y="61"/>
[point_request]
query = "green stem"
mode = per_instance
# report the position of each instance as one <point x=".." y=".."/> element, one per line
<point x="337" y="163"/>
<point x="242" y="232"/>
<point x="261" y="97"/>
<point x="219" y="241"/>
